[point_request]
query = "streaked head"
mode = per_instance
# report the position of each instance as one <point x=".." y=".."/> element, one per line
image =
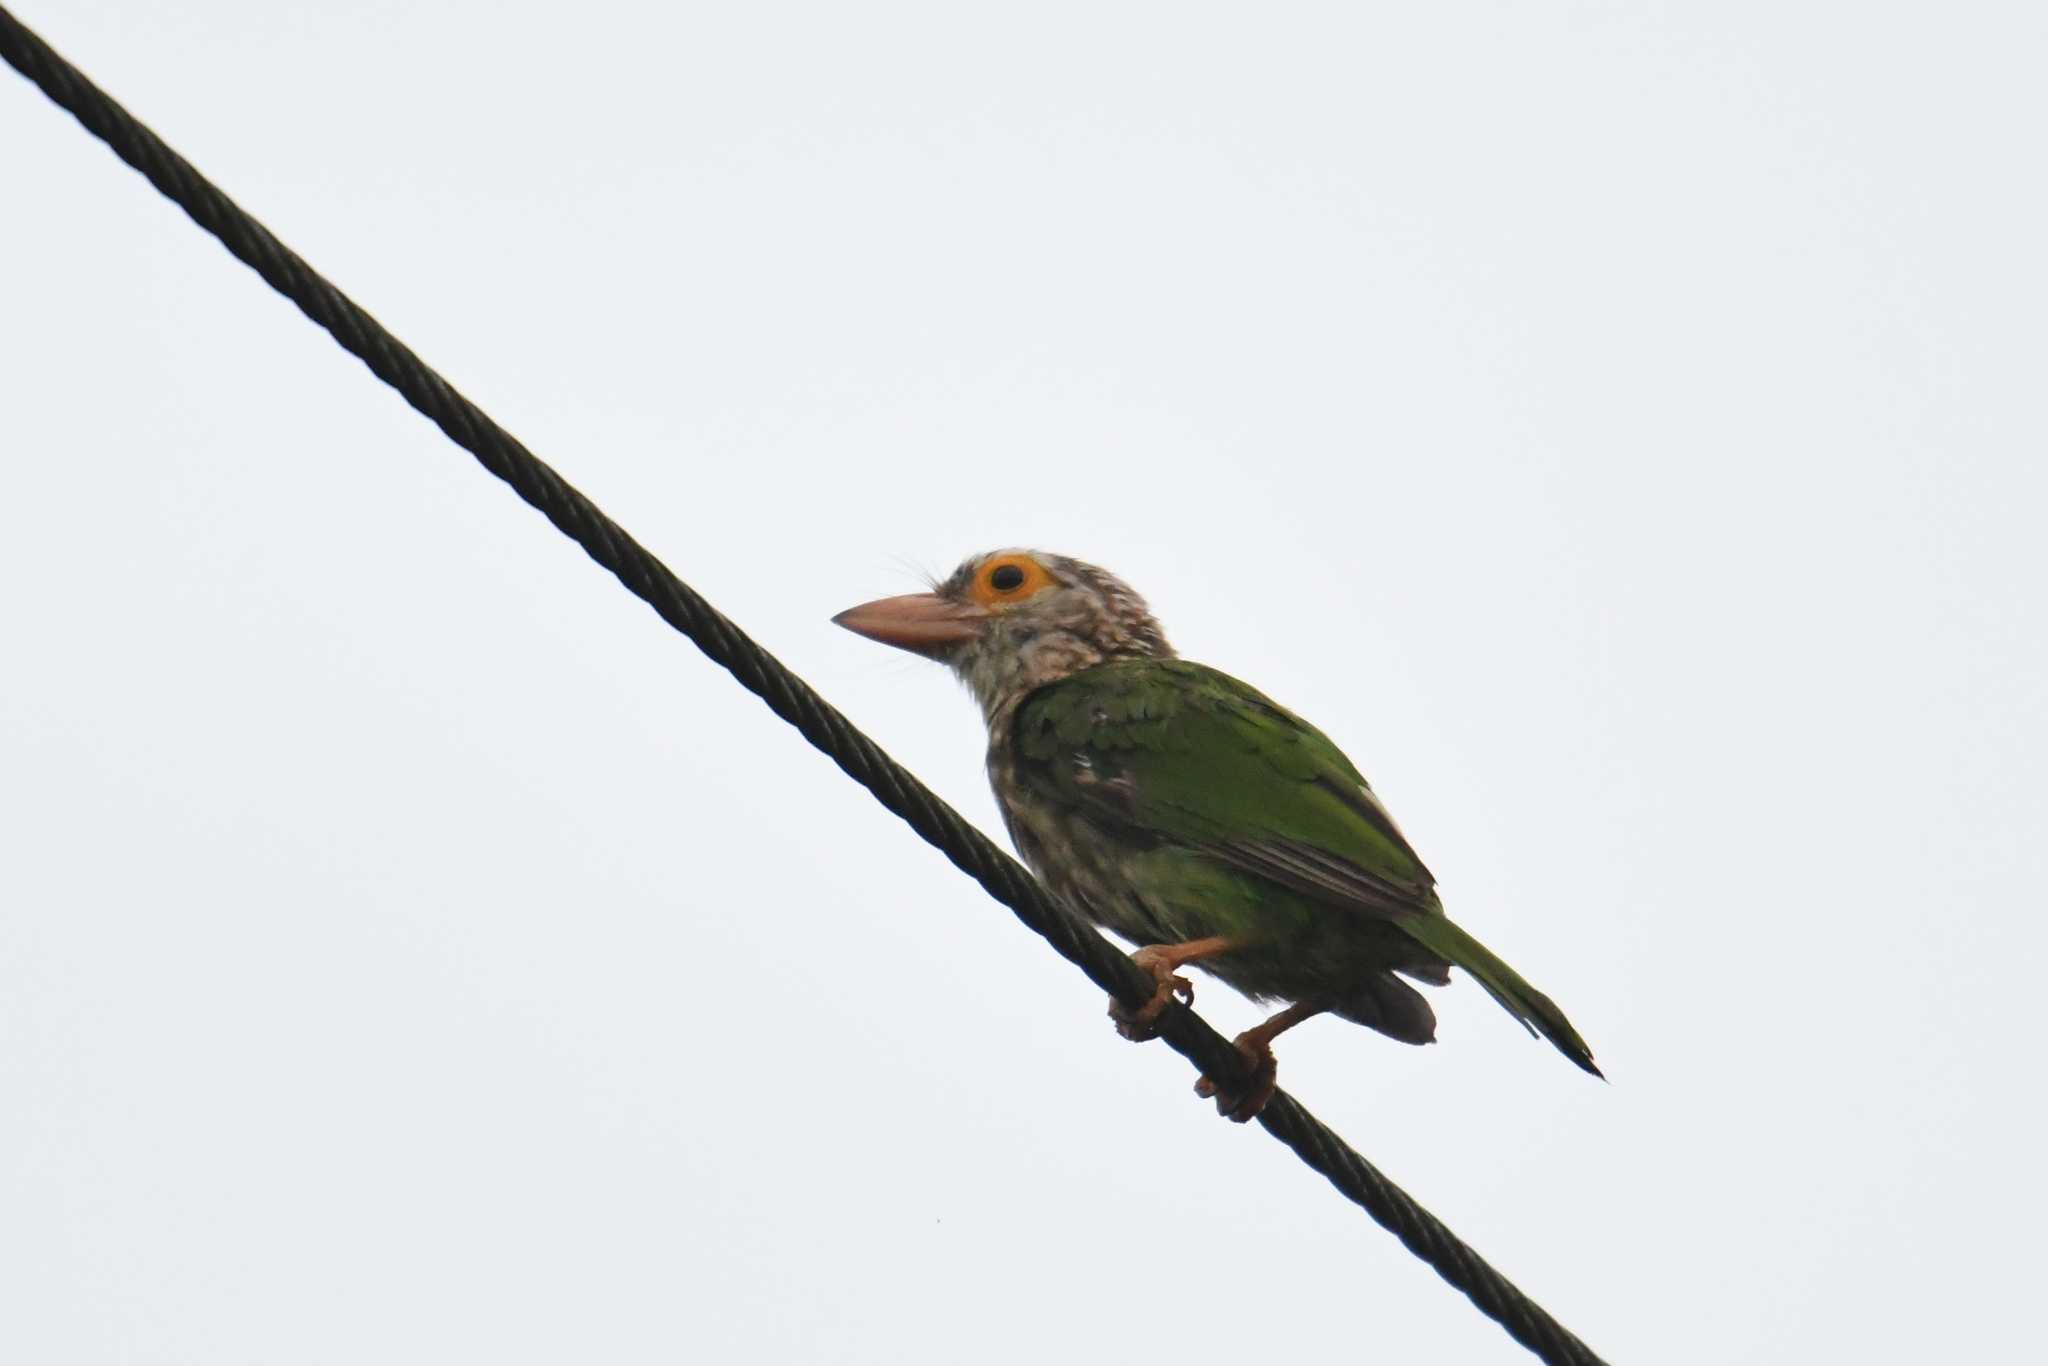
<point x="1013" y="620"/>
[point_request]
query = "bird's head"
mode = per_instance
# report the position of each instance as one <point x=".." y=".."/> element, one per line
<point x="1014" y="620"/>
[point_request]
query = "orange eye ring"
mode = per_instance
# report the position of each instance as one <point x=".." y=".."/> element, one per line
<point x="1008" y="579"/>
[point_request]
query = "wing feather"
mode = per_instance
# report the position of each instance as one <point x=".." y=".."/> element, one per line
<point x="1176" y="750"/>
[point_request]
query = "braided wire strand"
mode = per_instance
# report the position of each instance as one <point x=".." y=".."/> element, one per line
<point x="788" y="696"/>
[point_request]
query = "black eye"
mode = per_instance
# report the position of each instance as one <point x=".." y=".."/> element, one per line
<point x="1005" y="578"/>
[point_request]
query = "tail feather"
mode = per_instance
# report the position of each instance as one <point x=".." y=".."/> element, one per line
<point x="1388" y="1004"/>
<point x="1537" y="1012"/>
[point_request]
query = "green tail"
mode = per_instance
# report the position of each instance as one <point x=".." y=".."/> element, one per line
<point x="1537" y="1012"/>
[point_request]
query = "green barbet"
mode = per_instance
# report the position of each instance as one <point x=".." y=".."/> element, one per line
<point x="1189" y="813"/>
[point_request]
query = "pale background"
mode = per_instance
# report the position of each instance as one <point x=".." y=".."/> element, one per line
<point x="1620" y="426"/>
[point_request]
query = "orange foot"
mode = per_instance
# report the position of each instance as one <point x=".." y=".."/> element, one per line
<point x="1143" y="1023"/>
<point x="1240" y="1106"/>
<point x="1256" y="1044"/>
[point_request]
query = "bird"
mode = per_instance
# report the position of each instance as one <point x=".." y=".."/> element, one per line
<point x="1191" y="815"/>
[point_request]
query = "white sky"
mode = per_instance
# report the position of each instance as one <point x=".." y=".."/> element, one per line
<point x="1619" y="426"/>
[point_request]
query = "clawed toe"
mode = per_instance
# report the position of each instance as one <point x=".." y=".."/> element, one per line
<point x="1163" y="962"/>
<point x="1241" y="1106"/>
<point x="1143" y="1023"/>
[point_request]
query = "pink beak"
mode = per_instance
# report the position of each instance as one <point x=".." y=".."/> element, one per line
<point x="922" y="623"/>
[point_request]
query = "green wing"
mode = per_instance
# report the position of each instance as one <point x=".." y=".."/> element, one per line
<point x="1175" y="750"/>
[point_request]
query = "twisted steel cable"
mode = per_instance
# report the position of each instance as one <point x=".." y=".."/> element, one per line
<point x="788" y="696"/>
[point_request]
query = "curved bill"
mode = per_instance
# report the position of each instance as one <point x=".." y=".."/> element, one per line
<point x="923" y="623"/>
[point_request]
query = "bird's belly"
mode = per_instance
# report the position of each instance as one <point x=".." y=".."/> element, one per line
<point x="1165" y="894"/>
<point x="1085" y="868"/>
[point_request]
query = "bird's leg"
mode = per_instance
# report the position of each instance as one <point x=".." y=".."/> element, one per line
<point x="1163" y="961"/>
<point x="1256" y="1044"/>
